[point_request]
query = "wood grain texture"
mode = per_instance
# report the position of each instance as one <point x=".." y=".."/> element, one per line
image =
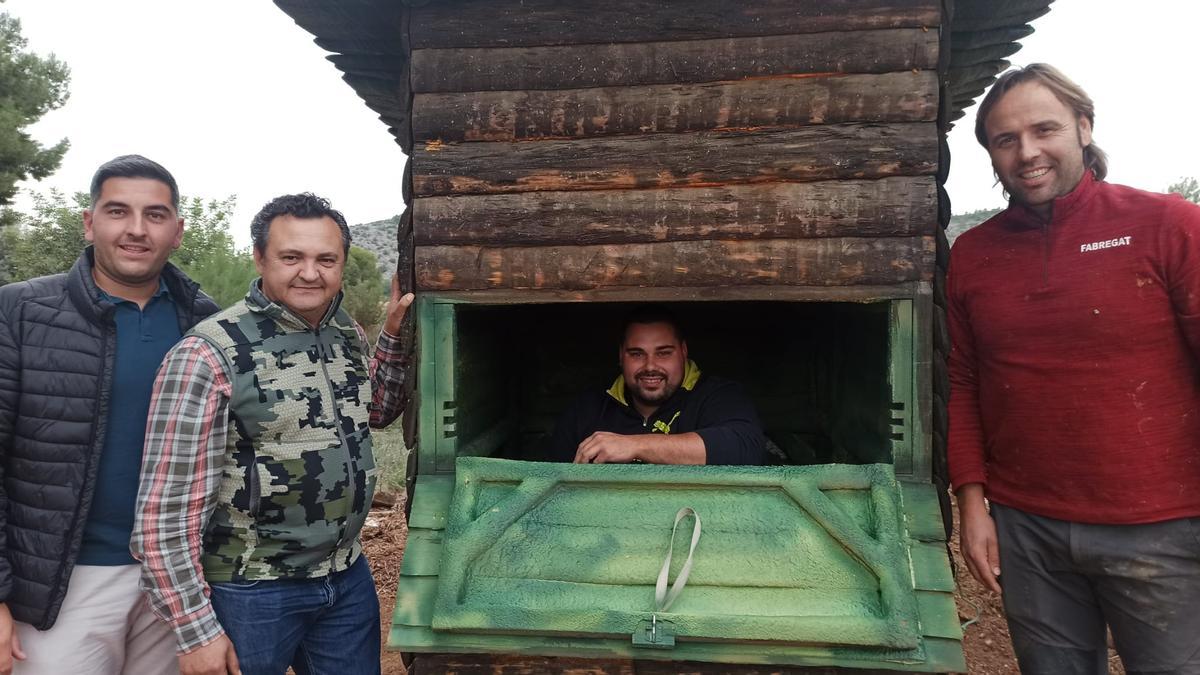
<point x="699" y="159"/>
<point x="660" y="62"/>
<point x="902" y="206"/>
<point x="606" y="111"/>
<point x="486" y="23"/>
<point x="818" y="262"/>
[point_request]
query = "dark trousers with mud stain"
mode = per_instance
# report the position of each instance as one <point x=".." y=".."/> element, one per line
<point x="1064" y="582"/>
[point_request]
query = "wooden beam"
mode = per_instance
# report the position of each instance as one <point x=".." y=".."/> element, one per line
<point x="661" y="62"/>
<point x="903" y="206"/>
<point x="817" y="262"/>
<point x="486" y="23"/>
<point x="675" y="160"/>
<point x="605" y="111"/>
<point x="509" y="296"/>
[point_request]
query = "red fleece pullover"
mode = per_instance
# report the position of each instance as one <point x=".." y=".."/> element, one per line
<point x="1074" y="381"/>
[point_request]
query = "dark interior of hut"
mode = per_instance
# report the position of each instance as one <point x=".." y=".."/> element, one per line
<point x="817" y="372"/>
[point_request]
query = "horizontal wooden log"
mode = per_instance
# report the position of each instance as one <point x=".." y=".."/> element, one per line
<point x="772" y="102"/>
<point x="486" y="23"/>
<point x="623" y="64"/>
<point x="861" y="293"/>
<point x="674" y="160"/>
<point x="888" y="207"/>
<point x="815" y="262"/>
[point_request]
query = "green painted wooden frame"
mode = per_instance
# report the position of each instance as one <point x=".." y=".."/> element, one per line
<point x="885" y="557"/>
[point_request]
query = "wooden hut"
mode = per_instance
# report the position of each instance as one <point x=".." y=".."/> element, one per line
<point x="773" y="167"/>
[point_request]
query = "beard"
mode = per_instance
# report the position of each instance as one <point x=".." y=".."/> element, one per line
<point x="651" y="398"/>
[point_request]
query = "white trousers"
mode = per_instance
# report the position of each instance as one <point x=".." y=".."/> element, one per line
<point x="105" y="627"/>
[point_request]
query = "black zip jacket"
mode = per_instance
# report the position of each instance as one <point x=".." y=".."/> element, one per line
<point x="57" y="347"/>
<point x="716" y="409"/>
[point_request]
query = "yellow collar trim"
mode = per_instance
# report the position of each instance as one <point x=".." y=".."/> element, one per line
<point x="691" y="375"/>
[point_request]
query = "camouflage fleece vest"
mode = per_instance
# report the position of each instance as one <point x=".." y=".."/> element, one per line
<point x="298" y="472"/>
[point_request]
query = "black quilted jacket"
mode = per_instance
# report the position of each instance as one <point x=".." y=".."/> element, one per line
<point x="57" y="345"/>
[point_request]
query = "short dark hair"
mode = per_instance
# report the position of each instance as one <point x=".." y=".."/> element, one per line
<point x="133" y="166"/>
<point x="647" y="314"/>
<point x="304" y="205"/>
<point x="1070" y="94"/>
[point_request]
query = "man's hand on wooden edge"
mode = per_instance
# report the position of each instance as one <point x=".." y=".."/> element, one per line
<point x="397" y="306"/>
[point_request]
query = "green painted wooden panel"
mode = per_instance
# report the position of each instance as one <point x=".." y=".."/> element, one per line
<point x="422" y="553"/>
<point x="900" y="377"/>
<point x="937" y="655"/>
<point x="415" y="601"/>
<point x="810" y="554"/>
<point x="931" y="566"/>
<point x="939" y="615"/>
<point x="922" y="511"/>
<point x="431" y="502"/>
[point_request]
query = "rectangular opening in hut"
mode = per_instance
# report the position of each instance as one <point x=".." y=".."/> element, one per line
<point x="831" y="381"/>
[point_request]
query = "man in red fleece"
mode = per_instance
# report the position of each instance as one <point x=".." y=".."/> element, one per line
<point x="1075" y="394"/>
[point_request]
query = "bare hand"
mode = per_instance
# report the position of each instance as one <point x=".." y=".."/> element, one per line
<point x="397" y="307"/>
<point x="10" y="644"/>
<point x="605" y="447"/>
<point x="977" y="538"/>
<point x="215" y="658"/>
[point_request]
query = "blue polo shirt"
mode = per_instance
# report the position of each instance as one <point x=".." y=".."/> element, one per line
<point x="143" y="337"/>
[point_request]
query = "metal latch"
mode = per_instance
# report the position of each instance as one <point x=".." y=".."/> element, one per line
<point x="654" y="633"/>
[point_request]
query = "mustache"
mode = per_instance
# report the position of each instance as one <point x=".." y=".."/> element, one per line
<point x="650" y="373"/>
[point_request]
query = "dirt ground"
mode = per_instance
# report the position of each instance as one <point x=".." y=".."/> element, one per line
<point x="986" y="642"/>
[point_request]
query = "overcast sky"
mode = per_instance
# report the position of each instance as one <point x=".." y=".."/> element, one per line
<point x="234" y="98"/>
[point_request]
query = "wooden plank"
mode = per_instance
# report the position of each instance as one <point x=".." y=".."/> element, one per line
<point x="902" y="206"/>
<point x="922" y="512"/>
<point x="661" y="62"/>
<point x="509" y="664"/>
<point x="931" y="567"/>
<point x="939" y="617"/>
<point x="431" y="502"/>
<point x="485" y="23"/>
<point x="415" y="601"/>
<point x="422" y="553"/>
<point x="508" y="296"/>
<point x="677" y="160"/>
<point x="581" y="113"/>
<point x="829" y="262"/>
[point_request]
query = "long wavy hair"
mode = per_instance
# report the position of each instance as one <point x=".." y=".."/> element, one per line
<point x="1072" y="95"/>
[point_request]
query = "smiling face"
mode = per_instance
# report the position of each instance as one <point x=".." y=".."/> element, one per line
<point x="653" y="360"/>
<point x="133" y="227"/>
<point x="302" y="265"/>
<point x="1036" y="144"/>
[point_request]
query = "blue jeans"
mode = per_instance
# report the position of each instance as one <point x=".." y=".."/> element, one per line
<point x="324" y="626"/>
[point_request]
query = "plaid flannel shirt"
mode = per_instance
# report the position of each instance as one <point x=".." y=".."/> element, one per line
<point x="181" y="474"/>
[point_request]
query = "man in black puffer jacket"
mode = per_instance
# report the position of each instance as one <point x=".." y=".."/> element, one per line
<point x="78" y="355"/>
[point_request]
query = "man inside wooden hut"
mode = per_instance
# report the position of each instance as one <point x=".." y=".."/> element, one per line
<point x="661" y="409"/>
<point x="1075" y="409"/>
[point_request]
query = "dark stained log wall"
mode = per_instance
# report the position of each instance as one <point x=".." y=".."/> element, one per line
<point x="860" y="208"/>
<point x="625" y="64"/>
<point x="486" y="23"/>
<point x="677" y="160"/>
<point x="646" y="144"/>
<point x="602" y="111"/>
<point x="816" y="262"/>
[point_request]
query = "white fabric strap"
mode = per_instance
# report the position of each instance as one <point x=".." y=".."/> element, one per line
<point x="663" y="599"/>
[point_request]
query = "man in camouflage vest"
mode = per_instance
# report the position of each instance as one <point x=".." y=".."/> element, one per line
<point x="258" y="470"/>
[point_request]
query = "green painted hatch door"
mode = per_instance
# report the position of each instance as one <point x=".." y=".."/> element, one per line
<point x="801" y="564"/>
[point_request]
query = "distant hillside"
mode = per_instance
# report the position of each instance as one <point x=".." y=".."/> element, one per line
<point x="378" y="237"/>
<point x="965" y="221"/>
